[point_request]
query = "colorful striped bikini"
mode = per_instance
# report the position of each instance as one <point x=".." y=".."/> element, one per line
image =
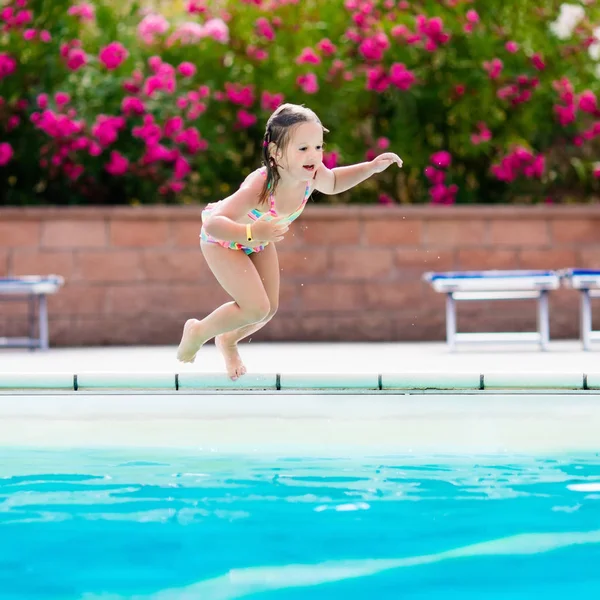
<point x="253" y="215"/>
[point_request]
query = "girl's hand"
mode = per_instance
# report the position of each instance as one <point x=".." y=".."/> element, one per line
<point x="264" y="230"/>
<point x="383" y="161"/>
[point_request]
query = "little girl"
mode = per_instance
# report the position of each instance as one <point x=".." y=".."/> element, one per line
<point x="239" y="233"/>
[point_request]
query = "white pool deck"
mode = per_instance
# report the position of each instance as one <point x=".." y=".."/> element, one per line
<point x="446" y="422"/>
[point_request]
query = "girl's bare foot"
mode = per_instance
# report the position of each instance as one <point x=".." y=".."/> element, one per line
<point x="191" y="341"/>
<point x="233" y="361"/>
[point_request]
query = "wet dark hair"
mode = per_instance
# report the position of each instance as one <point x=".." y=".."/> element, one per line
<point x="278" y="131"/>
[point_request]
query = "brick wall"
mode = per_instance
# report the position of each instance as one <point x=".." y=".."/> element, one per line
<point x="133" y="275"/>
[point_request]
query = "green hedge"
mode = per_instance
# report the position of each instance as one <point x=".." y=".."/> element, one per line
<point x="486" y="102"/>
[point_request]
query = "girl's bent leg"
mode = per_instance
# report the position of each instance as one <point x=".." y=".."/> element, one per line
<point x="239" y="278"/>
<point x="266" y="263"/>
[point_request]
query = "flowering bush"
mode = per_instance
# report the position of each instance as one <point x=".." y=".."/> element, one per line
<point x="107" y="102"/>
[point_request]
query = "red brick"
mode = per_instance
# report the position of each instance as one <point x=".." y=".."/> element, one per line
<point x="455" y="233"/>
<point x="479" y="259"/>
<point x="108" y="266"/>
<point x="393" y="232"/>
<point x="288" y="297"/>
<point x="551" y="258"/>
<point x="139" y="233"/>
<point x="25" y="262"/>
<point x="363" y="326"/>
<point x="3" y="263"/>
<point x="78" y="299"/>
<point x="138" y="299"/>
<point x="528" y="232"/>
<point x="345" y="231"/>
<point x="425" y="259"/>
<point x="394" y="296"/>
<point x="361" y="263"/>
<point x="74" y="234"/>
<point x="20" y="234"/>
<point x="196" y="300"/>
<point x="303" y="263"/>
<point x="186" y="234"/>
<point x="173" y="265"/>
<point x="332" y="297"/>
<point x="589" y="257"/>
<point x="576" y="231"/>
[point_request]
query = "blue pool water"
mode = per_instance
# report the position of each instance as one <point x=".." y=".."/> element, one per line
<point x="163" y="525"/>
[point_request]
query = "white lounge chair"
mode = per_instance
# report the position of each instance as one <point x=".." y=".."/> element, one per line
<point x="495" y="285"/>
<point x="34" y="290"/>
<point x="587" y="281"/>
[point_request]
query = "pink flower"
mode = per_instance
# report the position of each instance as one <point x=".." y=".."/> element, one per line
<point x="42" y="101"/>
<point x="401" y="77"/>
<point x="29" y="34"/>
<point x="330" y="159"/>
<point x="308" y="83"/>
<point x="117" y="165"/>
<point x="472" y="17"/>
<point x="377" y="79"/>
<point x="400" y="31"/>
<point x="259" y="54"/>
<point x="186" y="69"/>
<point x="132" y="105"/>
<point x="62" y="98"/>
<point x="192" y="140"/>
<point x="383" y="143"/>
<point x="76" y="59"/>
<point x="326" y="47"/>
<point x="6" y="153"/>
<point x="538" y="62"/>
<point x="217" y="30"/>
<point x="173" y="125"/>
<point x="564" y="114"/>
<point x="511" y="47"/>
<point x="113" y="55"/>
<point x="8" y="65"/>
<point x="374" y="47"/>
<point x="238" y="94"/>
<point x="494" y="68"/>
<point x="181" y="168"/>
<point x="196" y="6"/>
<point x="264" y="29"/>
<point x="45" y="36"/>
<point x="270" y="101"/>
<point x="308" y="56"/>
<point x="588" y="102"/>
<point x="441" y="159"/>
<point x="85" y="11"/>
<point x="151" y="26"/>
<point x="187" y="34"/>
<point x="385" y="199"/>
<point x="245" y="119"/>
<point x="106" y="129"/>
<point x="483" y="134"/>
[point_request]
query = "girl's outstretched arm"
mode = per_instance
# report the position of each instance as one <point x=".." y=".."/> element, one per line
<point x="340" y="179"/>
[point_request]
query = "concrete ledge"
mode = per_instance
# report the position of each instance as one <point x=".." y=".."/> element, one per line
<point x="36" y="381"/>
<point x="525" y="381"/>
<point x="431" y="381"/>
<point x="124" y="381"/>
<point x="220" y="381"/>
<point x="350" y="383"/>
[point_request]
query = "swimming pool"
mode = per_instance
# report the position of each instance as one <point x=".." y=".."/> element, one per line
<point x="173" y="524"/>
<point x="289" y="496"/>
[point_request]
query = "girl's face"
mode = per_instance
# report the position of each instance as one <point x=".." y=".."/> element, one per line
<point x="304" y="152"/>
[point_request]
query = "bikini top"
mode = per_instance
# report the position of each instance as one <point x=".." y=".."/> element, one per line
<point x="255" y="214"/>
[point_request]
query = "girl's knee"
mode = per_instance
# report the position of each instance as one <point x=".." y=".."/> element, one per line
<point x="257" y="311"/>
